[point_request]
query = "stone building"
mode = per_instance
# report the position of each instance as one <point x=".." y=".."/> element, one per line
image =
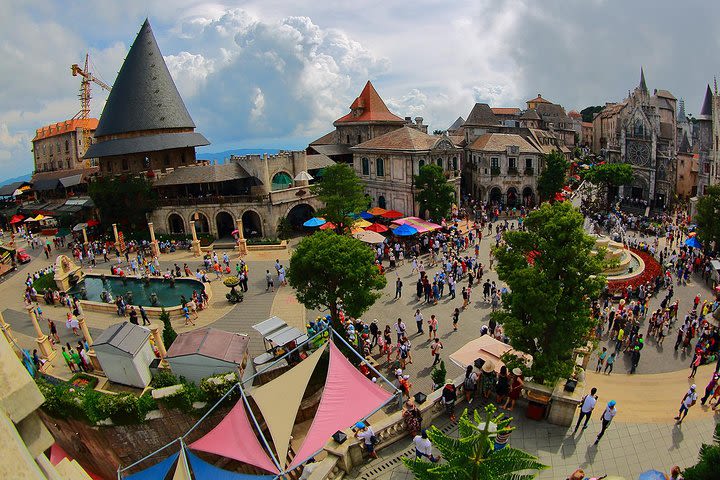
<point x="686" y="184"/>
<point x="641" y="131"/>
<point x="144" y="125"/>
<point x="503" y="168"/>
<point x="703" y="133"/>
<point x="388" y="163"/>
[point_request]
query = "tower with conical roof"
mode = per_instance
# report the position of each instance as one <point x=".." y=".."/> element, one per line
<point x="145" y="124"/>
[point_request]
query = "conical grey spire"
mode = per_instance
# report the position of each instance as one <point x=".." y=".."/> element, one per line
<point x="144" y="96"/>
<point x="706" y="109"/>
<point x="643" y="85"/>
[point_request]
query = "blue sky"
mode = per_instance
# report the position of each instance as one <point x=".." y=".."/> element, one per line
<point x="277" y="73"/>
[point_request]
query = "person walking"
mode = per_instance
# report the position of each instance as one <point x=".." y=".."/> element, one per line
<point x="419" y="322"/>
<point x="423" y="447"/>
<point x="586" y="408"/>
<point x="635" y="359"/>
<point x="601" y="359"/>
<point x="400" y="329"/>
<point x="470" y="384"/>
<point x="609" y="363"/>
<point x="710" y="388"/>
<point x="688" y="401"/>
<point x="398" y="288"/>
<point x="696" y="361"/>
<point x="144" y="316"/>
<point x="435" y="348"/>
<point x="607" y="417"/>
<point x="432" y="327"/>
<point x="455" y="319"/>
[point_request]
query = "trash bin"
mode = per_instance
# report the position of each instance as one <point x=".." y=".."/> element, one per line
<point x="536" y="410"/>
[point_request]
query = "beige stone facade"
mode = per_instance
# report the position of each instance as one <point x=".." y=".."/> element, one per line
<point x="62" y="145"/>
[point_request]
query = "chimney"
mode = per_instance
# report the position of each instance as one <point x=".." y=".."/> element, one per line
<point x="418" y="120"/>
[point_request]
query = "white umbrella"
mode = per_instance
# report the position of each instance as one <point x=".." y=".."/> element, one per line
<point x="17" y="193"/>
<point x="79" y="227"/>
<point x="303" y="176"/>
<point x="368" y="236"/>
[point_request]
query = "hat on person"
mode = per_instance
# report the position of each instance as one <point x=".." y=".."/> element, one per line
<point x="398" y="371"/>
<point x="406" y="377"/>
<point x="693" y="386"/>
<point x="516" y="371"/>
<point x="374" y="320"/>
<point x="360" y="425"/>
<point x="611" y="403"/>
<point x="488" y="367"/>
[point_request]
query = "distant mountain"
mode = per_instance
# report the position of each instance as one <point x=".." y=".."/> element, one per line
<point x="21" y="178"/>
<point x="220" y="157"/>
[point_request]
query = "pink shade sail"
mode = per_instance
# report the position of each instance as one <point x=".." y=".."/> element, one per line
<point x="234" y="438"/>
<point x="348" y="397"/>
<point x="422" y="226"/>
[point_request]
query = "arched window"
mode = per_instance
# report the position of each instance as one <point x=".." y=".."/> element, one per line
<point x="381" y="202"/>
<point x="281" y="181"/>
<point x="380" y="167"/>
<point x="67" y="146"/>
<point x="439" y="162"/>
<point x="421" y="164"/>
<point x="455" y="163"/>
<point x="365" y="166"/>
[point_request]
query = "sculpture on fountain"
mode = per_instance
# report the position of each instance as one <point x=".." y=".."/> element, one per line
<point x="67" y="273"/>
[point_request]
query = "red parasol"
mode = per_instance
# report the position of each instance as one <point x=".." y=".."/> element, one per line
<point x="17" y="219"/>
<point x="376" y="227"/>
<point x="392" y="214"/>
<point x="327" y="226"/>
<point x="92" y="223"/>
<point x="376" y="211"/>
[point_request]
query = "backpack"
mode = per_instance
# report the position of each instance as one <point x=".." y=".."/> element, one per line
<point x="469" y="383"/>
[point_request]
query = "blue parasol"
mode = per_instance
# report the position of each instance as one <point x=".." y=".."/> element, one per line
<point x="314" y="222"/>
<point x="366" y="215"/>
<point x="693" y="242"/>
<point x="652" y="475"/>
<point x="405" y="231"/>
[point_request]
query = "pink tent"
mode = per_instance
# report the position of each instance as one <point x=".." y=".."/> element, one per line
<point x="234" y="438"/>
<point x="348" y="397"/>
<point x="421" y="225"/>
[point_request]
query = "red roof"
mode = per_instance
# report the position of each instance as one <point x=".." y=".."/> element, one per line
<point x="64" y="127"/>
<point x="505" y="111"/>
<point x="369" y="107"/>
<point x="538" y="99"/>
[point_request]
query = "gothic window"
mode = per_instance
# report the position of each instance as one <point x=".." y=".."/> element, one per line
<point x="380" y="167"/>
<point x="638" y="130"/>
<point x="454" y="163"/>
<point x="439" y="162"/>
<point x="365" y="166"/>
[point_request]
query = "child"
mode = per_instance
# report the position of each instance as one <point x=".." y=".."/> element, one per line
<point x="609" y="363"/>
<point x="601" y="359"/>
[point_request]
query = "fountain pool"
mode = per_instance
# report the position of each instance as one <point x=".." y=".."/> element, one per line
<point x="135" y="290"/>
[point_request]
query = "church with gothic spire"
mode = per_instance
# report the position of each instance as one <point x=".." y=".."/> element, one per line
<point x="641" y="131"/>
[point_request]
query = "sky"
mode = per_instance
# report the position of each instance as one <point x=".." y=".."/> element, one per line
<point x="276" y="74"/>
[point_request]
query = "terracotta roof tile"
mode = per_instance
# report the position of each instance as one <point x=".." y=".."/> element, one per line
<point x="327" y="139"/>
<point x="498" y="142"/>
<point x="63" y="127"/>
<point x="404" y="138"/>
<point x="505" y="111"/>
<point x="369" y="107"/>
<point x="58" y="174"/>
<point x="538" y="99"/>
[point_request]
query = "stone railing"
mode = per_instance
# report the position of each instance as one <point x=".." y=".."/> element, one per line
<point x="210" y="200"/>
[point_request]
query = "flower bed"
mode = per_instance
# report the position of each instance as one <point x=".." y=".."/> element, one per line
<point x="83" y="380"/>
<point x="652" y="270"/>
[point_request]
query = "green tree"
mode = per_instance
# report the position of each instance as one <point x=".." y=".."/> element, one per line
<point x="471" y="456"/>
<point x="326" y="268"/>
<point x="169" y="334"/>
<point x="608" y="175"/>
<point x="284" y="228"/>
<point x="434" y="192"/>
<point x="589" y="112"/>
<point x="707" y="466"/>
<point x="343" y="194"/>
<point x="124" y="200"/>
<point x="552" y="177"/>
<point x="552" y="273"/>
<point x="707" y="217"/>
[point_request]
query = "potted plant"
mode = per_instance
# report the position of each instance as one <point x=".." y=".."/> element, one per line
<point x="234" y="296"/>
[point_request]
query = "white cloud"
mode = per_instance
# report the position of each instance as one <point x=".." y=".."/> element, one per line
<point x="258" y="103"/>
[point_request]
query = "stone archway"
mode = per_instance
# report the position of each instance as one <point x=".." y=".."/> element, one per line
<point x="202" y="224"/>
<point x="299" y="214"/>
<point x="495" y="195"/>
<point x="252" y="224"/>
<point x="512" y="197"/>
<point x="225" y="224"/>
<point x="176" y="224"/>
<point x="528" y="197"/>
<point x="382" y="203"/>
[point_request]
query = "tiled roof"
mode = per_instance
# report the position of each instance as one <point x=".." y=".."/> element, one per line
<point x="125" y="336"/>
<point x="332" y="150"/>
<point x="481" y="115"/>
<point x="458" y="140"/>
<point x="456" y="124"/>
<point x="63" y="127"/>
<point x="530" y="114"/>
<point x="538" y="99"/>
<point x="574" y="114"/>
<point x="505" y="111"/>
<point x="145" y="143"/>
<point x="586" y="124"/>
<point x="665" y="94"/>
<point x="327" y="139"/>
<point x="369" y="107"/>
<point x="611" y="110"/>
<point x="211" y="343"/>
<point x="498" y="142"/>
<point x="404" y="138"/>
<point x="144" y="96"/>
<point x="58" y="174"/>
<point x="203" y="174"/>
<point x="315" y="162"/>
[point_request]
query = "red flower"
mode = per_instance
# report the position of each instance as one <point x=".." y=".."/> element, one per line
<point x="652" y="270"/>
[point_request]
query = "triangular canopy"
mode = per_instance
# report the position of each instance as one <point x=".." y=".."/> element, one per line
<point x="159" y="470"/>
<point x="377" y="227"/>
<point x="280" y="399"/>
<point x="234" y="438"/>
<point x="144" y="96"/>
<point x="182" y="472"/>
<point x="348" y="397"/>
<point x="205" y="471"/>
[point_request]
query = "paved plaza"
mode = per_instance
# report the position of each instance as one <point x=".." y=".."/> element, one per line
<point x="642" y="436"/>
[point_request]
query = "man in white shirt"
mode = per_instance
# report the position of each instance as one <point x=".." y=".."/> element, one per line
<point x="586" y="408"/>
<point x="607" y="417"/>
<point x="688" y="401"/>
<point x="400" y="329"/>
<point x="423" y="447"/>
<point x="366" y="433"/>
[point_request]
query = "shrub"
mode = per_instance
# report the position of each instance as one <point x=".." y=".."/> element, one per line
<point x="164" y="378"/>
<point x="216" y="386"/>
<point x="438" y="374"/>
<point x="83" y="380"/>
<point x="44" y="282"/>
<point x="183" y="398"/>
<point x="284" y="229"/>
<point x="263" y="241"/>
<point x="169" y="333"/>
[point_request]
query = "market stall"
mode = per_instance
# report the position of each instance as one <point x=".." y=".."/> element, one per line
<point x="278" y="337"/>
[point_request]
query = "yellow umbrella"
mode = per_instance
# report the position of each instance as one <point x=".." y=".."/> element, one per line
<point x="40" y="217"/>
<point x="361" y="223"/>
<point x="355" y="230"/>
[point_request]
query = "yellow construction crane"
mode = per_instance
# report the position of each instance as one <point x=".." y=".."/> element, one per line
<point x="87" y="78"/>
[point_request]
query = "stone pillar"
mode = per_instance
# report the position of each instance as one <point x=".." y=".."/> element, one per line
<point x="44" y="344"/>
<point x="7" y="330"/>
<point x="156" y="331"/>
<point x="84" y="330"/>
<point x="195" y="242"/>
<point x="265" y="174"/>
<point x="241" y="242"/>
<point x="85" y="240"/>
<point x="153" y="242"/>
